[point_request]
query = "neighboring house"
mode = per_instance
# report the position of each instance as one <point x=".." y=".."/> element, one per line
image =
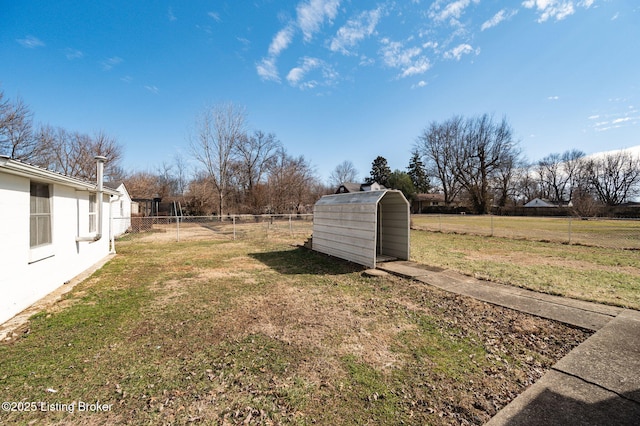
<point x="425" y="201"/>
<point x="350" y="187"/>
<point x="54" y="228"/>
<point x="543" y="202"/>
<point x="121" y="209"/>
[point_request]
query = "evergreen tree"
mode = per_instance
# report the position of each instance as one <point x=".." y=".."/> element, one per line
<point x="380" y="171"/>
<point x="417" y="173"/>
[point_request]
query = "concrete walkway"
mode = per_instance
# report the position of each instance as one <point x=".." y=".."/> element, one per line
<point x="597" y="383"/>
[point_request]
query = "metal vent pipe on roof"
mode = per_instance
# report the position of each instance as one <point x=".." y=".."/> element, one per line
<point x="100" y="160"/>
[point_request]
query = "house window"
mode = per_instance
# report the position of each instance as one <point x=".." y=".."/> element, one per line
<point x="92" y="212"/>
<point x="40" y="217"/>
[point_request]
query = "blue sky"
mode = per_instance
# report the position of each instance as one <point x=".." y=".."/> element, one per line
<point x="335" y="80"/>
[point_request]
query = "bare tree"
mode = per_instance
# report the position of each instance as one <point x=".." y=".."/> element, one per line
<point x="486" y="149"/>
<point x="615" y="177"/>
<point x="200" y="197"/>
<point x="526" y="186"/>
<point x="182" y="174"/>
<point x="437" y="145"/>
<point x="144" y="185"/>
<point x="290" y="181"/>
<point x="72" y="153"/>
<point x="505" y="179"/>
<point x="219" y="129"/>
<point x="573" y="164"/>
<point x="343" y="173"/>
<point x="16" y="125"/>
<point x="557" y="173"/>
<point x="254" y="155"/>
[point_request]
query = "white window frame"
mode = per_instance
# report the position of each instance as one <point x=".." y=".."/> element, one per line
<point x="93" y="213"/>
<point x="42" y="212"/>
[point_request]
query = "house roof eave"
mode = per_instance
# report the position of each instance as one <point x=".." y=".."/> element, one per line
<point x="19" y="168"/>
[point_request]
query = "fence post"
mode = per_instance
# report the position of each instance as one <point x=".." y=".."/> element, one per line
<point x="491" y="224"/>
<point x="290" y="228"/>
<point x="234" y="227"/>
<point x="569" y="230"/>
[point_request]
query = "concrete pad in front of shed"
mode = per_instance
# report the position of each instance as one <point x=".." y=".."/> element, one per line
<point x="375" y="273"/>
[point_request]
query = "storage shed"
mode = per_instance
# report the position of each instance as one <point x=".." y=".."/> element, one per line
<point x="363" y="227"/>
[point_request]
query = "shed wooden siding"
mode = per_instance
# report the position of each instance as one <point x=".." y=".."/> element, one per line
<point x="345" y="226"/>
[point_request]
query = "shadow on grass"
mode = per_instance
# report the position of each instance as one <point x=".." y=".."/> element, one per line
<point x="304" y="261"/>
<point x="622" y="410"/>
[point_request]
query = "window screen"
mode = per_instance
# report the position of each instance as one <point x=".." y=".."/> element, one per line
<point x="40" y="215"/>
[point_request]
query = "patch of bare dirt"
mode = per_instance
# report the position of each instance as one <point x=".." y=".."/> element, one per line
<point x="186" y="232"/>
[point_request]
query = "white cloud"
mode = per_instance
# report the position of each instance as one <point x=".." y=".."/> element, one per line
<point x="312" y="14"/>
<point x="431" y="45"/>
<point x="171" y="16"/>
<point x="421" y="83"/>
<point x="457" y="52"/>
<point x="557" y="9"/>
<point x="281" y="41"/>
<point x="553" y="98"/>
<point x="502" y="15"/>
<point x="396" y="55"/>
<point x="421" y="66"/>
<point x="267" y="70"/>
<point x="109" y="63"/>
<point x="152" y="89"/>
<point x="72" y="54"/>
<point x="355" y="30"/>
<point x="297" y="77"/>
<point x="215" y="16"/>
<point x="618" y="116"/>
<point x="409" y="60"/>
<point x="453" y="10"/>
<point x="30" y="42"/>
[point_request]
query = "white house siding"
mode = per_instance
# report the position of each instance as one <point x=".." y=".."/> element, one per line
<point x="345" y="226"/>
<point x="30" y="274"/>
<point x="121" y="209"/>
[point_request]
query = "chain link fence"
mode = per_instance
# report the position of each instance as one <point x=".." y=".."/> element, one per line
<point x="231" y="227"/>
<point x="610" y="233"/>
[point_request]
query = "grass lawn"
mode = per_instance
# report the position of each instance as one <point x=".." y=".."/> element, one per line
<point x="599" y="274"/>
<point x="262" y="332"/>
<point x="616" y="234"/>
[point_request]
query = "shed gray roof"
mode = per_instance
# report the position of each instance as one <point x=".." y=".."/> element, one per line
<point x="361" y="197"/>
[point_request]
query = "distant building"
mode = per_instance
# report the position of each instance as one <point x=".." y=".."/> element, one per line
<point x="121" y="209"/>
<point x="428" y="203"/>
<point x="543" y="202"/>
<point x="350" y="187"/>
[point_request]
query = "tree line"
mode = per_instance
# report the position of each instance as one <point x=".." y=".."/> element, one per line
<point x="475" y="162"/>
<point x="231" y="169"/>
<point x="55" y="148"/>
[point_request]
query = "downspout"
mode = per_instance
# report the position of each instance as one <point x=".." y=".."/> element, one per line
<point x="99" y="195"/>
